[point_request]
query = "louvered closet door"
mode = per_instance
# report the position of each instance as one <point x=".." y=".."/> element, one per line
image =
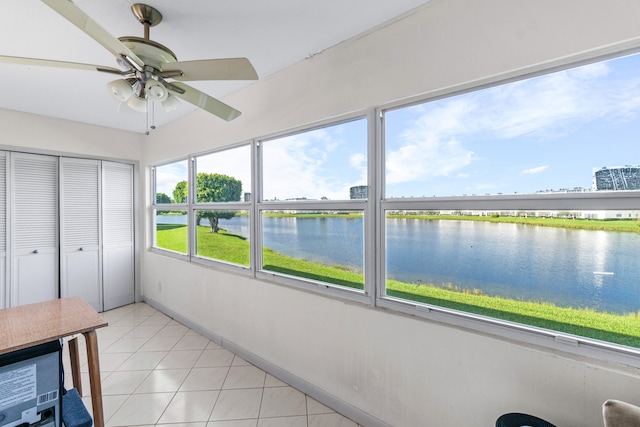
<point x="34" y="228"/>
<point x="117" y="234"/>
<point x="4" y="291"/>
<point x="80" y="266"/>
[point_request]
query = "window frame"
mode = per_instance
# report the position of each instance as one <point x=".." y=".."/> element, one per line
<point x="194" y="206"/>
<point x="367" y="294"/>
<point x="182" y="207"/>
<point x="375" y="206"/>
<point x="619" y="200"/>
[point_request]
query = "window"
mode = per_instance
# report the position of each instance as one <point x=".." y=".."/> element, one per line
<point x="515" y="206"/>
<point x="327" y="164"/>
<point x="170" y="207"/>
<point x="516" y="202"/>
<point x="221" y="211"/>
<point x="322" y="246"/>
<point x="224" y="176"/>
<point x="313" y="205"/>
<point x="223" y="235"/>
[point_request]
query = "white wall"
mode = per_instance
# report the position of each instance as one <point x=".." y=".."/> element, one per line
<point x="62" y="136"/>
<point x="401" y="370"/>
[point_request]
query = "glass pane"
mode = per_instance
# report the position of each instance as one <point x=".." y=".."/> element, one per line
<point x="324" y="246"/>
<point x="171" y="183"/>
<point x="223" y="235"/>
<point x="546" y="134"/>
<point x="569" y="271"/>
<point x="224" y="176"/>
<point x="322" y="164"/>
<point x="171" y="231"/>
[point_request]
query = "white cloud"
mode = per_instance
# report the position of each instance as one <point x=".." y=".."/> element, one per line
<point x="358" y="162"/>
<point x="167" y="176"/>
<point x="302" y="165"/>
<point x="428" y="147"/>
<point x="235" y="162"/>
<point x="433" y="142"/>
<point x="535" y="170"/>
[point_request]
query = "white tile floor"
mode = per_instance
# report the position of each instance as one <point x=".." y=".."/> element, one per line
<point x="157" y="372"/>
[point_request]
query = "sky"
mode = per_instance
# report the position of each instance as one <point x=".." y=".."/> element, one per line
<point x="321" y="163"/>
<point x="542" y="133"/>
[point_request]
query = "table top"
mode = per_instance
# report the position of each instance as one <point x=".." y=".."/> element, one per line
<point x="33" y="324"/>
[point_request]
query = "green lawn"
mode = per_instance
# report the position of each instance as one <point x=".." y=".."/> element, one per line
<point x="620" y="329"/>
<point x="172" y="237"/>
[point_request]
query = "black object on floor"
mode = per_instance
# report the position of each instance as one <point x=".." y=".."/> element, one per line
<point x="520" y="420"/>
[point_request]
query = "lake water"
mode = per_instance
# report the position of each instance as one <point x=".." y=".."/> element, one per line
<point x="577" y="268"/>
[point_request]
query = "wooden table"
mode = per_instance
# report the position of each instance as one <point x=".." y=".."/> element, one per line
<point x="33" y="324"/>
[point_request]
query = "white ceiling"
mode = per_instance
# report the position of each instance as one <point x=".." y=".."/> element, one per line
<point x="272" y="34"/>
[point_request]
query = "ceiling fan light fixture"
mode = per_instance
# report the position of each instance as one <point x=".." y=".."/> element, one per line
<point x="120" y="89"/>
<point x="171" y="103"/>
<point x="137" y="104"/>
<point x="156" y="91"/>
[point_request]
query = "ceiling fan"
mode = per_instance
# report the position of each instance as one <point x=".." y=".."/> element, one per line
<point x="148" y="66"/>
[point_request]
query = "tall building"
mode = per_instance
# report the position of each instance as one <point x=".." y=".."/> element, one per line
<point x="358" y="192"/>
<point x="616" y="178"/>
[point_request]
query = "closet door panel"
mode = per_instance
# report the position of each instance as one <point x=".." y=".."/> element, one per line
<point x="117" y="234"/>
<point x="34" y="228"/>
<point x="80" y="269"/>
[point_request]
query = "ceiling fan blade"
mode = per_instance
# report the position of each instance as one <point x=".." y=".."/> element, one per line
<point x="60" y="64"/>
<point x="212" y="69"/>
<point x="204" y="101"/>
<point x="77" y="17"/>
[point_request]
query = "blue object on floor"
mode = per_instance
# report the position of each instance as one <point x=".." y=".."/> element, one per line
<point x="74" y="414"/>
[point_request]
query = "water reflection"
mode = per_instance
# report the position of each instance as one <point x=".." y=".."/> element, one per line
<point x="517" y="261"/>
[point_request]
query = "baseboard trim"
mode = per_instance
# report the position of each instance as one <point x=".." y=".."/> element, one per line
<point x="327" y="399"/>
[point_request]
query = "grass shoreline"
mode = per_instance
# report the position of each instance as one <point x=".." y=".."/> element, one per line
<point x="621" y="329"/>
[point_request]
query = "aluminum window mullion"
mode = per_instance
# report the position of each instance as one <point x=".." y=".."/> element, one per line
<point x="191" y="200"/>
<point x="222" y="206"/>
<point x="359" y="205"/>
<point x="255" y="223"/>
<point x="596" y="200"/>
<point x="371" y="252"/>
<point x="379" y="194"/>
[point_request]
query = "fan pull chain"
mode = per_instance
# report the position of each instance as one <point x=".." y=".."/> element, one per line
<point x="153" y="115"/>
<point x="147" y="120"/>
<point x="151" y="108"/>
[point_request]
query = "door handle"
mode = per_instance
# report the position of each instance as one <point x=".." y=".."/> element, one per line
<point x="81" y="248"/>
<point x="35" y="251"/>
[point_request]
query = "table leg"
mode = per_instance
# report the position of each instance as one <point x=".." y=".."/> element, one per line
<point x="94" y="378"/>
<point x="75" y="364"/>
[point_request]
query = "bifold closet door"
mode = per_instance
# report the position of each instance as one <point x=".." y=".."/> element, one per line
<point x="118" y="265"/>
<point x="34" y="228"/>
<point x="4" y="159"/>
<point x="80" y="264"/>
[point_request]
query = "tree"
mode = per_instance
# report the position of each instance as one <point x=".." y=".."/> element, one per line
<point x="215" y="187"/>
<point x="180" y="192"/>
<point x="162" y="198"/>
<point x="212" y="187"/>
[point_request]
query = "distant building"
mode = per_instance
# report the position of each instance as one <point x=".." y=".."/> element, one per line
<point x="358" y="192"/>
<point x="616" y="178"/>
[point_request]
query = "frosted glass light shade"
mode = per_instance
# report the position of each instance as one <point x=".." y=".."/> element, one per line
<point x="156" y="91"/>
<point x="120" y="89"/>
<point x="137" y="104"/>
<point x="171" y="103"/>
